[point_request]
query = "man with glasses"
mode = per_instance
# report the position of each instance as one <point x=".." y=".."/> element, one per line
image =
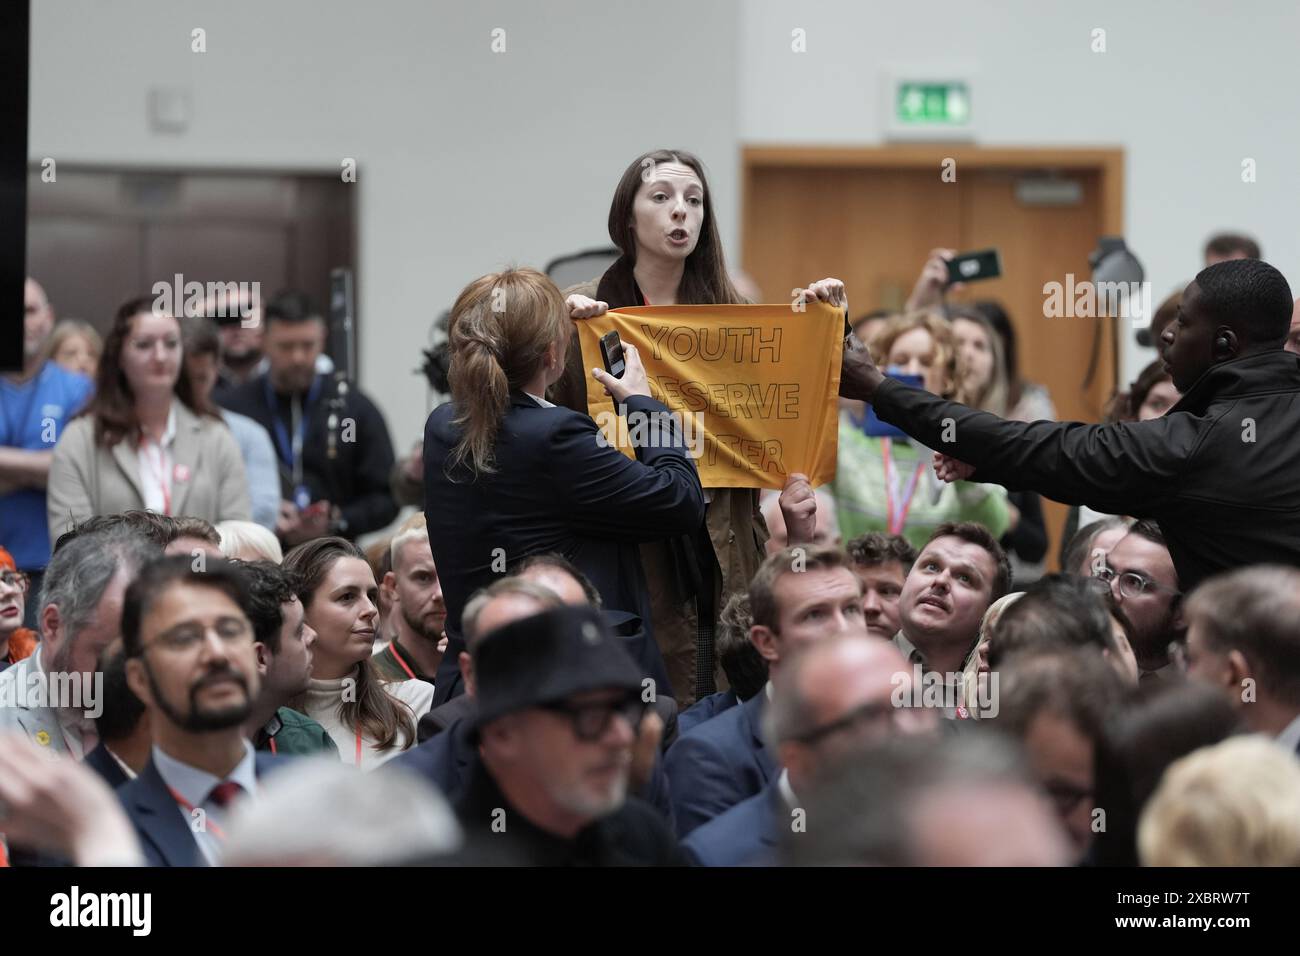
<point x="834" y="698"/>
<point x="1143" y="580"/>
<point x="1056" y="704"/>
<point x="559" y="705"/>
<point x="191" y="661"/>
<point x="16" y="642"/>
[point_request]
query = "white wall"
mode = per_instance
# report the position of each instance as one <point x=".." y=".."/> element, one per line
<point x="1187" y="87"/>
<point x="467" y="160"/>
<point x="470" y="160"/>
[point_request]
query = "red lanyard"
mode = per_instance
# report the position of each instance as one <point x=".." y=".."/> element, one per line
<point x="272" y="743"/>
<point x="209" y="826"/>
<point x="406" y="667"/>
<point x="358" y="746"/>
<point x="163" y="482"/>
<point x="895" y="522"/>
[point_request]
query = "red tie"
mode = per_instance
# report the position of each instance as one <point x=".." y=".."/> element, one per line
<point x="223" y="793"/>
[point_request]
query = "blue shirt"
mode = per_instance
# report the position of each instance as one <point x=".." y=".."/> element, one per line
<point x="32" y="416"/>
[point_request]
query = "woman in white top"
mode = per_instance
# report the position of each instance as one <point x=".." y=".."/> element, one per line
<point x="370" y="720"/>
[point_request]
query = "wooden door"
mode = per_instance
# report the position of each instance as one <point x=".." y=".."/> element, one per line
<point x="870" y="217"/>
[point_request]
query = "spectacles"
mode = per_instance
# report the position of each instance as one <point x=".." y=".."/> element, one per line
<point x="15" y="579"/>
<point x="1132" y="584"/>
<point x="874" y="716"/>
<point x="591" y="721"/>
<point x="187" y="637"/>
<point x="1065" y="796"/>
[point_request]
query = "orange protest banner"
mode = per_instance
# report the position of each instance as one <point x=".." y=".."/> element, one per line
<point x="753" y="387"/>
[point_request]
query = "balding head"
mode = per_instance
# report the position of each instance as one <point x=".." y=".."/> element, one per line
<point x="497" y="605"/>
<point x="836" y="695"/>
<point x="38" y="318"/>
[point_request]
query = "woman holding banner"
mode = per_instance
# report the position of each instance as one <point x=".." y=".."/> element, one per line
<point x="884" y="481"/>
<point x="661" y="219"/>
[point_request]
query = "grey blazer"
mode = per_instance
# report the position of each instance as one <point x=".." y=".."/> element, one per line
<point x="86" y="479"/>
<point x="39" y="723"/>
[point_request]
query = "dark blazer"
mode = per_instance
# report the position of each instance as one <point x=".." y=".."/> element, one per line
<point x="704" y="708"/>
<point x="746" y="835"/>
<point x="1217" y="471"/>
<point x="718" y="764"/>
<point x="448" y="761"/>
<point x="356" y="479"/>
<point x="556" y="488"/>
<point x="100" y="761"/>
<point x="164" y="834"/>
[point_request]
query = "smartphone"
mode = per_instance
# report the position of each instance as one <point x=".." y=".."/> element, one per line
<point x="611" y="352"/>
<point x="974" y="266"/>
<point x="872" y="426"/>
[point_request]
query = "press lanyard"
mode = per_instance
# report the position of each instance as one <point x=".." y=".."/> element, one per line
<point x="406" y="667"/>
<point x="209" y="826"/>
<point x="291" y="448"/>
<point x="896" y="520"/>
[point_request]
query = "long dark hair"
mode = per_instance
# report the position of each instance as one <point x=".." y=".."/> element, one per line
<point x="375" y="712"/>
<point x="704" y="278"/>
<point x="113" y="406"/>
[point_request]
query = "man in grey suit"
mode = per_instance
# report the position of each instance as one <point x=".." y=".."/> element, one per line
<point x="53" y="696"/>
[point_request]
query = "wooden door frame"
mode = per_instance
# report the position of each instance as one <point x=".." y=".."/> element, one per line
<point x="1106" y="162"/>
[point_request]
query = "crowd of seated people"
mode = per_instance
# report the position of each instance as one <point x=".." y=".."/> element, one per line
<point x="569" y="655"/>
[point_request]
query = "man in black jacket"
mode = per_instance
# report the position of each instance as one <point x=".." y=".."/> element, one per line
<point x="332" y="442"/>
<point x="1218" y="471"/>
<point x="559" y="707"/>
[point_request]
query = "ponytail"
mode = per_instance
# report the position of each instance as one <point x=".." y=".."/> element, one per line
<point x="500" y="328"/>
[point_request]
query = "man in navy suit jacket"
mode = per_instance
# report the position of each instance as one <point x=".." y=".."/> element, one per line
<point x="798" y="595"/>
<point x="189" y="653"/>
<point x="827" y="703"/>
<point x="169" y="832"/>
<point x="746" y="835"/>
<point x="557" y="487"/>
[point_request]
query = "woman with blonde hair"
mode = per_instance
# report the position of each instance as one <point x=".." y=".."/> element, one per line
<point x="249" y="541"/>
<point x="75" y="344"/>
<point x="370" y="721"/>
<point x="887" y="482"/>
<point x="508" y="475"/>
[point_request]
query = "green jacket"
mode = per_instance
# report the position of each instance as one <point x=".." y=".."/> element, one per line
<point x="863" y="490"/>
<point x="291" y="732"/>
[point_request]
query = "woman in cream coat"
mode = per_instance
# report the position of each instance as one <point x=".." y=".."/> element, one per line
<point x="145" y="441"/>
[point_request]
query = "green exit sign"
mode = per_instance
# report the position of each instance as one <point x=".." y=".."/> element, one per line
<point x="931" y="105"/>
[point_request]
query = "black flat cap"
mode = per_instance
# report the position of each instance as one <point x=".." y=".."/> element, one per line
<point x="548" y="657"/>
